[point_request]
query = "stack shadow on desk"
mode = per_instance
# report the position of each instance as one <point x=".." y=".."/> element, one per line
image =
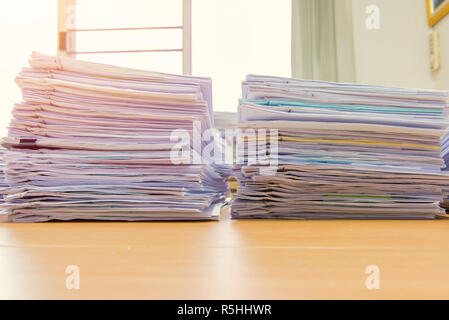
<point x="94" y="142"/>
<point x="343" y="151"/>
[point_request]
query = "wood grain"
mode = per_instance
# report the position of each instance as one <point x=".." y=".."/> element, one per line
<point x="226" y="260"/>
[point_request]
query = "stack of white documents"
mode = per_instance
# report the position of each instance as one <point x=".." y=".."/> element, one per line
<point x="96" y="142"/>
<point x="334" y="150"/>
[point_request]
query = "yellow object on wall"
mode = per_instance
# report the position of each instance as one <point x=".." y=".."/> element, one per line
<point x="436" y="10"/>
<point x="435" y="57"/>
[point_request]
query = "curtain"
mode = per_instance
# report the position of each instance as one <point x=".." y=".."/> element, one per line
<point x="322" y="40"/>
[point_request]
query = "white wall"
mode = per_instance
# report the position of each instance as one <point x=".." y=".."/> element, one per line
<point x="398" y="53"/>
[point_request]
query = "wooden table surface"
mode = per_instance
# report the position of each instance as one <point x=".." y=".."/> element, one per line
<point x="228" y="259"/>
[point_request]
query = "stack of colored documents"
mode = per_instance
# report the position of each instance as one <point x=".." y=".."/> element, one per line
<point x="314" y="149"/>
<point x="100" y="142"/>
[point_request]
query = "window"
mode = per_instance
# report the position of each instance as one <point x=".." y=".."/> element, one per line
<point x="103" y="14"/>
<point x="233" y="38"/>
<point x="229" y="39"/>
<point x="24" y="26"/>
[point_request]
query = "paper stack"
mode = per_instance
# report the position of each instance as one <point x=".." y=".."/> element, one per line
<point x="342" y="151"/>
<point x="2" y="175"/>
<point x="93" y="141"/>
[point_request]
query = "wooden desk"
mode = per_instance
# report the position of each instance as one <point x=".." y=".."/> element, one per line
<point x="226" y="259"/>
